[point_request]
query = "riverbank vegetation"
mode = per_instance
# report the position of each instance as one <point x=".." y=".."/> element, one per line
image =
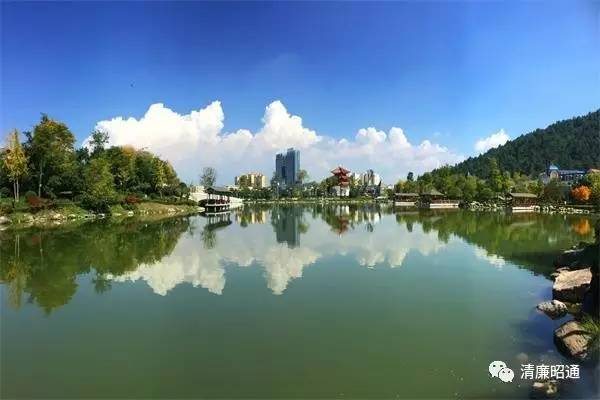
<point x="53" y="174"/>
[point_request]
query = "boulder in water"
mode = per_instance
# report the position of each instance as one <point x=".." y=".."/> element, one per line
<point x="554" y="309"/>
<point x="572" y="340"/>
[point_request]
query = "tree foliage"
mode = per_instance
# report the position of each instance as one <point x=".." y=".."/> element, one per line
<point x="581" y="193"/>
<point x="15" y="162"/>
<point x="208" y="177"/>
<point x="48" y="164"/>
<point x="572" y="144"/>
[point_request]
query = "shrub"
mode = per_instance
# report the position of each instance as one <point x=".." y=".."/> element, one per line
<point x="581" y="193"/>
<point x="5" y="192"/>
<point x="101" y="205"/>
<point x="35" y="202"/>
<point x="131" y="199"/>
<point x="30" y="193"/>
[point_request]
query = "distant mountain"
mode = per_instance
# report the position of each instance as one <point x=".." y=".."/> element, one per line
<point x="570" y="144"/>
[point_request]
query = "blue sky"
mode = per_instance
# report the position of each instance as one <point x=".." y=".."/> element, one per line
<point x="450" y="73"/>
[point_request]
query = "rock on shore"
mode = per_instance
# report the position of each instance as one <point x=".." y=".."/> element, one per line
<point x="571" y="285"/>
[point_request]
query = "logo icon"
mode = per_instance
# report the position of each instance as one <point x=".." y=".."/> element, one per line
<point x="498" y="369"/>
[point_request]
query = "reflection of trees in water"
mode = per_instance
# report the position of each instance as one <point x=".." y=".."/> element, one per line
<point x="101" y="283"/>
<point x="17" y="274"/>
<point x="54" y="258"/>
<point x="532" y="240"/>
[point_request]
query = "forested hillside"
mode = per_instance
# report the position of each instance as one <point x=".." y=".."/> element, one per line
<point x="571" y="144"/>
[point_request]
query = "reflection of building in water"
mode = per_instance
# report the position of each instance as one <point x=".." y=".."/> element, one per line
<point x="288" y="224"/>
<point x="248" y="217"/>
<point x="341" y="218"/>
<point x="214" y="222"/>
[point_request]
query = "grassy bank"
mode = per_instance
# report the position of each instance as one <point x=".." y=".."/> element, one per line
<point x="58" y="213"/>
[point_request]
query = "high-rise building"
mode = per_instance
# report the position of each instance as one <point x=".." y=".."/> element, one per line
<point x="287" y="167"/>
<point x="253" y="180"/>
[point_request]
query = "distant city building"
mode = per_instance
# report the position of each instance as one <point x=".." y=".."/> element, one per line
<point x="356" y="178"/>
<point x="253" y="179"/>
<point x="563" y="175"/>
<point x="287" y="167"/>
<point x="342" y="182"/>
<point x="371" y="183"/>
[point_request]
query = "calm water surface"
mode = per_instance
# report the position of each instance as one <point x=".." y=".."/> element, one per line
<point x="298" y="302"/>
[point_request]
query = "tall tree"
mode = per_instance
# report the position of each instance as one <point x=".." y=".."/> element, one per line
<point x="302" y="175"/>
<point x="52" y="156"/>
<point x="15" y="161"/>
<point x="208" y="177"/>
<point x="98" y="142"/>
<point x="99" y="185"/>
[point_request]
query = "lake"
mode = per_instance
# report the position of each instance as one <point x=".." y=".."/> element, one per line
<point x="303" y="302"/>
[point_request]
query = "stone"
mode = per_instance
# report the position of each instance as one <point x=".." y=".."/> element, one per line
<point x="571" y="285"/>
<point x="572" y="340"/>
<point x="554" y="309"/>
<point x="56" y="217"/>
<point x="544" y="390"/>
<point x="130" y="213"/>
<point x="4" y="220"/>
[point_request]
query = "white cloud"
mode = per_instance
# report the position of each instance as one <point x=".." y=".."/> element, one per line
<point x="192" y="141"/>
<point x="494" y="140"/>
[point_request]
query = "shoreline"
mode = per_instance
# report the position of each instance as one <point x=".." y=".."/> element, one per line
<point x="72" y="215"/>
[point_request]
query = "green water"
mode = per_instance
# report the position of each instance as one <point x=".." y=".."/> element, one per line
<point x="327" y="302"/>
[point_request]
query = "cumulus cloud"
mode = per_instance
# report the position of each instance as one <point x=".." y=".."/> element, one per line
<point x="494" y="140"/>
<point x="192" y="141"/>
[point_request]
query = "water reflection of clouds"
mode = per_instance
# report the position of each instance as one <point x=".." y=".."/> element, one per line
<point x="493" y="259"/>
<point x="190" y="262"/>
<point x="184" y="265"/>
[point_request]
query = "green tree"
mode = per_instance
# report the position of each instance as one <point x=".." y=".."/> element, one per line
<point x="159" y="180"/>
<point x="98" y="142"/>
<point x="208" y="177"/>
<point x="52" y="157"/>
<point x="243" y="182"/>
<point x="302" y="175"/>
<point x="15" y="162"/>
<point x="123" y="166"/>
<point x="410" y="177"/>
<point x="99" y="189"/>
<point x="554" y="191"/>
<point x="496" y="178"/>
<point x="593" y="181"/>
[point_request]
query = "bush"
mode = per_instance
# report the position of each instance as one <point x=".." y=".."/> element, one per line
<point x="30" y="193"/>
<point x="132" y="199"/>
<point x="101" y="205"/>
<point x="5" y="192"/>
<point x="35" y="203"/>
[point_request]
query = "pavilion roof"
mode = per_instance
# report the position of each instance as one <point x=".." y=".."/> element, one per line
<point x="340" y="170"/>
<point x="523" y="195"/>
<point x="407" y="195"/>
